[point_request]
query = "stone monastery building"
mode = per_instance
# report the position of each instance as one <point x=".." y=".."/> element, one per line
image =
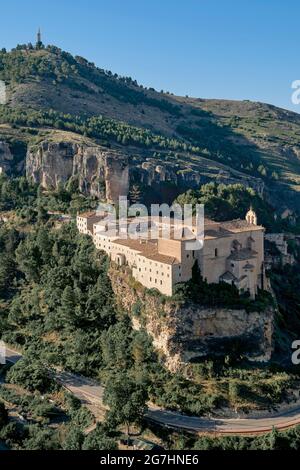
<point x="232" y="252"/>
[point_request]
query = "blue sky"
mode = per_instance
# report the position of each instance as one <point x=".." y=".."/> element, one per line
<point x="235" y="49"/>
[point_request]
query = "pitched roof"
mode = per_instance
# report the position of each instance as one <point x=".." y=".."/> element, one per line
<point x="228" y="276"/>
<point x="148" y="249"/>
<point x="243" y="254"/>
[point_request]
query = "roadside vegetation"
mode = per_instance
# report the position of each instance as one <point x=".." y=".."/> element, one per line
<point x="57" y="306"/>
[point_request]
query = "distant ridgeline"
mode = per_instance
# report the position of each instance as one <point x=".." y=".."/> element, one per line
<point x="225" y="141"/>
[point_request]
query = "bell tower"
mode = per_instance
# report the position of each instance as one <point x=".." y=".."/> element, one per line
<point x="251" y="217"/>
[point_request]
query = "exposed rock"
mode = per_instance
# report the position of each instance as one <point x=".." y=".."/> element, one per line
<point x="185" y="332"/>
<point x="109" y="172"/>
<point x="6" y="157"/>
<point x="100" y="171"/>
<point x="150" y="173"/>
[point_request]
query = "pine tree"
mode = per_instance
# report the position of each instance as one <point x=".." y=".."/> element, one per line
<point x="135" y="194"/>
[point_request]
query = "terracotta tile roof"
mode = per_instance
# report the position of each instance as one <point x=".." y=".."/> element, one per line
<point x="240" y="225"/>
<point x="148" y="249"/>
<point x="87" y="214"/>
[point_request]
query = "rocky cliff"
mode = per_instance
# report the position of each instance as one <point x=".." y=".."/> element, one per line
<point x="99" y="171"/>
<point x="186" y="332"/>
<point x="108" y="172"/>
<point x="6" y="158"/>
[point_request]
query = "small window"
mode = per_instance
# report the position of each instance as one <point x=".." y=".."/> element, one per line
<point x="216" y="252"/>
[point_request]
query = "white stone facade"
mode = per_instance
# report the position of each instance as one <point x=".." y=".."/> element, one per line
<point x="233" y="252"/>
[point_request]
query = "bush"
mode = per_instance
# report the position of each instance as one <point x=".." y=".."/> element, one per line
<point x="3" y="415"/>
<point x="31" y="375"/>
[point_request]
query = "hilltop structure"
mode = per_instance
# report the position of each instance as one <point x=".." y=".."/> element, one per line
<point x="39" y="42"/>
<point x="233" y="252"/>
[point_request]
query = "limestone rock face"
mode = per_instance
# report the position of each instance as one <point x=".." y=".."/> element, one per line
<point x="99" y="171"/>
<point x="185" y="332"/>
<point x="6" y="158"/>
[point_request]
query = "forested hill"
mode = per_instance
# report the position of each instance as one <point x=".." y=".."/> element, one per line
<point x="257" y="139"/>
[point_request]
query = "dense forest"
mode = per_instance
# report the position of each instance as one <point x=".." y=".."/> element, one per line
<point x="58" y="307"/>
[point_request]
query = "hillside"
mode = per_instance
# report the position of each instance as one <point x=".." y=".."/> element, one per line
<point x="189" y="140"/>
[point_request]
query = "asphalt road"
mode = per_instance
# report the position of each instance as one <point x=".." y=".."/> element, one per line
<point x="91" y="394"/>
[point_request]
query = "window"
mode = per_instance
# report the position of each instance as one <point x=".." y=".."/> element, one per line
<point x="216" y="252"/>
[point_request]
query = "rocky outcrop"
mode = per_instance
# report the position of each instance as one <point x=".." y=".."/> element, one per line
<point x="6" y="158"/>
<point x="154" y="171"/>
<point x="108" y="172"/>
<point x="183" y="332"/>
<point x="99" y="171"/>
